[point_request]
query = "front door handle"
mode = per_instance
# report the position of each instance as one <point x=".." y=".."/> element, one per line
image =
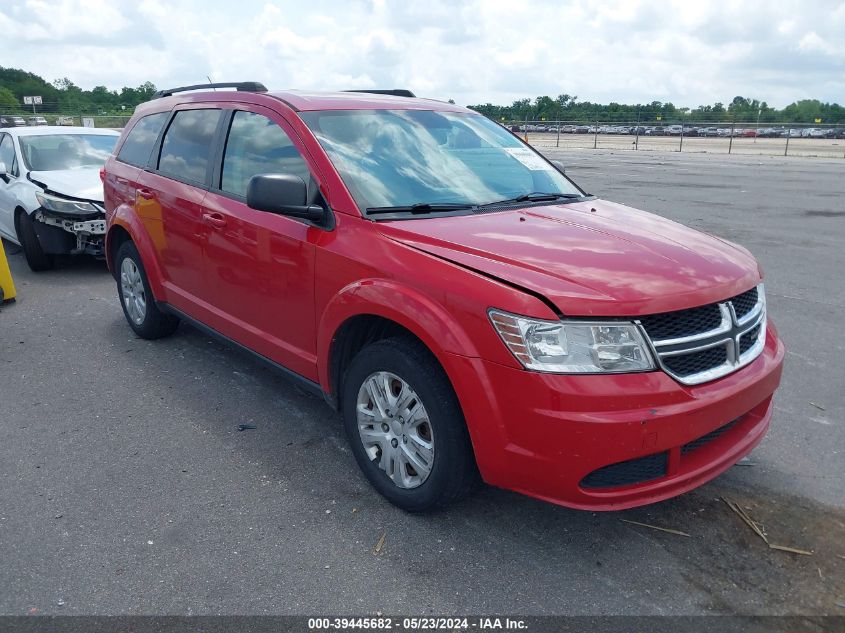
<point x="146" y="194"/>
<point x="214" y="219"/>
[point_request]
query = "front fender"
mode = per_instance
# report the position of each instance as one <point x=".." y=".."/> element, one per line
<point x="125" y="218"/>
<point x="444" y="335"/>
<point x="416" y="312"/>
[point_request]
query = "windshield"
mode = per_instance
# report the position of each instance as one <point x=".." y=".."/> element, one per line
<point x="403" y="158"/>
<point x="53" y="152"/>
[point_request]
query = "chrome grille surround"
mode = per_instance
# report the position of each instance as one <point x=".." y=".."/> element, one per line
<point x="727" y="334"/>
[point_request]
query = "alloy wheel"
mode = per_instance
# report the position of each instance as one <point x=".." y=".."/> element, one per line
<point x="132" y="289"/>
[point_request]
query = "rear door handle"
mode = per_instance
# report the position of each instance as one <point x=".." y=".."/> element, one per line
<point x="146" y="194"/>
<point x="214" y="219"/>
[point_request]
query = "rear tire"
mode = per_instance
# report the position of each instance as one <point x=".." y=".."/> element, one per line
<point x="418" y="454"/>
<point x="139" y="306"/>
<point x="36" y="258"/>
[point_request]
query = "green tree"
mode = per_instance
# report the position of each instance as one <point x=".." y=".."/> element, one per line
<point x="8" y="101"/>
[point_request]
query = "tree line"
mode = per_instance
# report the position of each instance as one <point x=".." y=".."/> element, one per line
<point x="63" y="96"/>
<point x="568" y="108"/>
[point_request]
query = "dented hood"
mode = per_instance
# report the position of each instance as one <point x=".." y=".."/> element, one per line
<point x="84" y="184"/>
<point x="589" y="258"/>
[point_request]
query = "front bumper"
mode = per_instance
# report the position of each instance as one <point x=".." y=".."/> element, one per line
<point x="608" y="442"/>
<point x="60" y="233"/>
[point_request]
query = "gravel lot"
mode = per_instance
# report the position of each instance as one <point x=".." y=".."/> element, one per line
<point x="128" y="489"/>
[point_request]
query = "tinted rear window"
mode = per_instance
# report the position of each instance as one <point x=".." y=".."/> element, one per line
<point x="186" y="148"/>
<point x="138" y="145"/>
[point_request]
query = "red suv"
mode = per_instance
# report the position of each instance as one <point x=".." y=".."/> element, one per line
<point x="469" y="310"/>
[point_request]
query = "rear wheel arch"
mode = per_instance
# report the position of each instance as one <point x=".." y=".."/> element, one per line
<point x="116" y="237"/>
<point x="126" y="227"/>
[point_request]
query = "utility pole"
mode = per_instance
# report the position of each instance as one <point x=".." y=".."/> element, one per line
<point x="757" y="129"/>
<point x="731" y="142"/>
<point x="637" y="137"/>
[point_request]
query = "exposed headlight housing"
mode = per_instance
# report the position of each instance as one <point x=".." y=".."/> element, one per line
<point x="574" y="347"/>
<point x="65" y="205"/>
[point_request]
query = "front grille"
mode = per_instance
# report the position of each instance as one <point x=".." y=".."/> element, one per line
<point x="682" y="323"/>
<point x="744" y="303"/>
<point x="633" y="471"/>
<point x="696" y="362"/>
<point x="701" y="344"/>
<point x="748" y="339"/>
<point x="689" y="447"/>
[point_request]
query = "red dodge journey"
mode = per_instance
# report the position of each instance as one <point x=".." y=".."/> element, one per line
<point x="469" y="310"/>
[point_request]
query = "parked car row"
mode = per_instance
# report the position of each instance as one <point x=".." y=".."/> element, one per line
<point x="686" y="130"/>
<point x="18" y="121"/>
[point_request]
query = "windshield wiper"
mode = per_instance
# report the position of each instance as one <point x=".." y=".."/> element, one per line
<point x="534" y="196"/>
<point x="422" y="207"/>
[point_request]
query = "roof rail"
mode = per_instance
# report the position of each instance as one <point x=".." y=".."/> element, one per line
<point x="396" y="92"/>
<point x="240" y="86"/>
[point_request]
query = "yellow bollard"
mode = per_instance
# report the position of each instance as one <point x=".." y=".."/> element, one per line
<point x="7" y="286"/>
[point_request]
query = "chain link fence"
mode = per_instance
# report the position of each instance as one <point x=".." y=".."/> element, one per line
<point x="116" y="121"/>
<point x="773" y="139"/>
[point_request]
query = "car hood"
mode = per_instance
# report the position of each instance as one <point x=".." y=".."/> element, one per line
<point x="74" y="183"/>
<point x="592" y="258"/>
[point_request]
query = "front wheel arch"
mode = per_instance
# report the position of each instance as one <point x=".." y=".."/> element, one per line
<point x="19" y="211"/>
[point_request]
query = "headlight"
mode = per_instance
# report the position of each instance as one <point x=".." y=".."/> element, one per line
<point x="63" y="205"/>
<point x="573" y="347"/>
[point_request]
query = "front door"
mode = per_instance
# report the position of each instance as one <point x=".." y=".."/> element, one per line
<point x="262" y="264"/>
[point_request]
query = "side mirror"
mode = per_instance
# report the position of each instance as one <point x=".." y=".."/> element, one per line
<point x="4" y="173"/>
<point x="561" y="167"/>
<point x="283" y="194"/>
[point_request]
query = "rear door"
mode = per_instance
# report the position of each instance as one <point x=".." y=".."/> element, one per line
<point x="123" y="171"/>
<point x="262" y="264"/>
<point x="172" y="193"/>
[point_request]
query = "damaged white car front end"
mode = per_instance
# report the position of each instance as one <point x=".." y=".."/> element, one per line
<point x="82" y="216"/>
<point x="51" y="195"/>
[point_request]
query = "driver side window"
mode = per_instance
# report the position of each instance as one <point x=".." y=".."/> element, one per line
<point x="257" y="145"/>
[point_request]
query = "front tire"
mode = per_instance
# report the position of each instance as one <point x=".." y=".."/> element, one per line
<point x="136" y="298"/>
<point x="406" y="427"/>
<point x="36" y="258"/>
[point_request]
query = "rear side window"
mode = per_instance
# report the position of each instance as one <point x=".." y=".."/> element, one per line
<point x="257" y="145"/>
<point x="187" y="144"/>
<point x="139" y="143"/>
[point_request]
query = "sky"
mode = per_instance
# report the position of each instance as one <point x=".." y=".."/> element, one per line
<point x="473" y="51"/>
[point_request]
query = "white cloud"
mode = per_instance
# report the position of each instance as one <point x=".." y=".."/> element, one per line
<point x="472" y="51"/>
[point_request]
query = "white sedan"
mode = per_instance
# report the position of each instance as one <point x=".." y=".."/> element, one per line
<point x="51" y="196"/>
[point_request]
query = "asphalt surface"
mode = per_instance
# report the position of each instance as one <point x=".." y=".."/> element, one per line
<point x="127" y="488"/>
